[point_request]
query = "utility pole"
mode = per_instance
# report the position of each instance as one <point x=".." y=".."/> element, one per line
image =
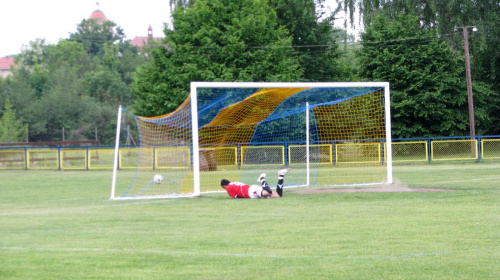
<point x="468" y="78"/>
<point x="470" y="99"/>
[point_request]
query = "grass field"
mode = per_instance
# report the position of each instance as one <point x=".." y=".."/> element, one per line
<point x="62" y="225"/>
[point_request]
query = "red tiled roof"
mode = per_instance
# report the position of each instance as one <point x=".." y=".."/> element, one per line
<point x="6" y="62"/>
<point x="140" y="41"/>
<point x="99" y="16"/>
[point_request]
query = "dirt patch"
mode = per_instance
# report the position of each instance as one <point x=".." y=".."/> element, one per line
<point x="396" y="186"/>
<point x="357" y="190"/>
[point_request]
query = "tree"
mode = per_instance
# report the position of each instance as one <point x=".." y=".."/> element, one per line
<point x="71" y="53"/>
<point x="75" y="84"/>
<point x="486" y="112"/>
<point x="444" y="17"/>
<point x="93" y="35"/>
<point x="312" y="34"/>
<point x="109" y="83"/>
<point x="18" y="89"/>
<point x="32" y="54"/>
<point x="178" y="3"/>
<point x="427" y="96"/>
<point x="217" y="40"/>
<point x="11" y="129"/>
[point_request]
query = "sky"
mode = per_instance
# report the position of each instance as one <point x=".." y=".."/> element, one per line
<point x="22" y="21"/>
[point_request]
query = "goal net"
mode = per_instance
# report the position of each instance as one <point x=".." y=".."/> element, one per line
<point x="330" y="134"/>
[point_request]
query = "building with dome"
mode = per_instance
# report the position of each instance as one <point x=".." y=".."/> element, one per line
<point x="99" y="16"/>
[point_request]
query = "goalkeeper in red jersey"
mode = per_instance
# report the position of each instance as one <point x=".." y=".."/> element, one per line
<point x="242" y="190"/>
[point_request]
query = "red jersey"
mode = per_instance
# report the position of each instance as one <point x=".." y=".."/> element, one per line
<point x="237" y="190"/>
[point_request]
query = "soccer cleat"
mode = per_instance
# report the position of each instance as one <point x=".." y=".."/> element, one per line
<point x="282" y="172"/>
<point x="262" y="178"/>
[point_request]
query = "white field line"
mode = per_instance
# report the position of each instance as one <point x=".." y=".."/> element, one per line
<point x="244" y="255"/>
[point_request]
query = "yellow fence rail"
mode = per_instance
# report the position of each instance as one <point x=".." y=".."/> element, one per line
<point x="490" y="149"/>
<point x="410" y="151"/>
<point x="454" y="150"/>
<point x="84" y="158"/>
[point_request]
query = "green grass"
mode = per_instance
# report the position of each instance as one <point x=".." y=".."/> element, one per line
<point x="62" y="225"/>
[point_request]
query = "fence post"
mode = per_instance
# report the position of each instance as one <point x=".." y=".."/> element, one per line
<point x="334" y="153"/>
<point x="286" y="154"/>
<point x="238" y="156"/>
<point x="429" y="149"/>
<point x="154" y="158"/>
<point x="479" y="157"/>
<point x="59" y="158"/>
<point x="382" y="150"/>
<point x="26" y="158"/>
<point x="87" y="158"/>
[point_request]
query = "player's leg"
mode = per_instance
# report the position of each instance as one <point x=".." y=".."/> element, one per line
<point x="281" y="180"/>
<point x="275" y="195"/>
<point x="265" y="186"/>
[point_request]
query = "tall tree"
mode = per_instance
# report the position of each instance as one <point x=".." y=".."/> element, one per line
<point x="32" y="54"/>
<point x="71" y="53"/>
<point x="94" y="35"/>
<point x="446" y="16"/>
<point x="180" y="3"/>
<point x="449" y="18"/>
<point x="312" y="33"/>
<point x="215" y="40"/>
<point x="427" y="96"/>
<point x="311" y="29"/>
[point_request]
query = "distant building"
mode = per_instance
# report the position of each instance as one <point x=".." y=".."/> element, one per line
<point x="5" y="64"/>
<point x="140" y="41"/>
<point x="98" y="15"/>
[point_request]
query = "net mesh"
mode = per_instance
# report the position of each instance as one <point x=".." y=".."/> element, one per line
<point x="244" y="132"/>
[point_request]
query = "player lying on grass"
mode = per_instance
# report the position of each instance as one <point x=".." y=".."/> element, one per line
<point x="242" y="190"/>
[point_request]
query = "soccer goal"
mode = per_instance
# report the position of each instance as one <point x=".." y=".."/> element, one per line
<point x="330" y="134"/>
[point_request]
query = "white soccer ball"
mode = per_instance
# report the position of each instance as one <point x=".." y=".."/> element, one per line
<point x="158" y="178"/>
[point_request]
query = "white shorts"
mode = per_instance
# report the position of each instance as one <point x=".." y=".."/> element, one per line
<point x="255" y="191"/>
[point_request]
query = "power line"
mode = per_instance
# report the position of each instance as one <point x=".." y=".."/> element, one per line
<point x="417" y="40"/>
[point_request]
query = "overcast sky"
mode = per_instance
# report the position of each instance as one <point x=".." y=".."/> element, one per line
<point x="23" y="21"/>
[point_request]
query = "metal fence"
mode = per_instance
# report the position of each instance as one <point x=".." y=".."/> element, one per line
<point x="416" y="150"/>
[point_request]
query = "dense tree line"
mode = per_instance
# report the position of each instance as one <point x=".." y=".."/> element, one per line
<point x="442" y="21"/>
<point x="71" y="90"/>
<point x="78" y="83"/>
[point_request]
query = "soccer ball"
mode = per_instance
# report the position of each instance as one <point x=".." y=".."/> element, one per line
<point x="158" y="178"/>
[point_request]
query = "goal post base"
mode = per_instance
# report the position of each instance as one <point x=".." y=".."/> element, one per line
<point x="154" y="197"/>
